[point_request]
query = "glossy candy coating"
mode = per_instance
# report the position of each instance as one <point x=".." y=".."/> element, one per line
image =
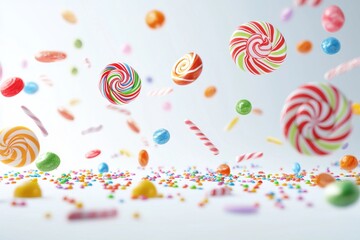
<point x="331" y="46"/>
<point x="324" y="179"/>
<point x="342" y="193"/>
<point x="11" y="87"/>
<point x="31" y="87"/>
<point x="223" y="169"/>
<point x="155" y="19"/>
<point x="143" y="158"/>
<point x="348" y="162"/>
<point x="243" y="107"/>
<point x="47" y="162"/>
<point x="103" y="168"/>
<point x="144" y="189"/>
<point x="28" y="189"/>
<point x="333" y="19"/>
<point x="161" y="136"/>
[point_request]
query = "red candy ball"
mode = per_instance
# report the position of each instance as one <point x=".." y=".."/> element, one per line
<point x="12" y="87"/>
<point x="333" y="19"/>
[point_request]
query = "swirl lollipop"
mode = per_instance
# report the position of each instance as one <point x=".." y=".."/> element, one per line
<point x="19" y="146"/>
<point x="119" y="83"/>
<point x="316" y="119"/>
<point x="187" y="69"/>
<point x="258" y="47"/>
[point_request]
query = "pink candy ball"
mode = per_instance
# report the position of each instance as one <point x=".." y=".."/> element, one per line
<point x="167" y="106"/>
<point x="333" y="18"/>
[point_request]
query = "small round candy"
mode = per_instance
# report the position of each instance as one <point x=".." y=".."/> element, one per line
<point x="103" y="168"/>
<point x="324" y="179"/>
<point x="342" y="194"/>
<point x="356" y="108"/>
<point x="167" y="106"/>
<point x="243" y="107"/>
<point x="78" y="43"/>
<point x="11" y="87"/>
<point x="143" y="158"/>
<point x="210" y="91"/>
<point x="69" y="16"/>
<point x="348" y="162"/>
<point x="155" y="19"/>
<point x="31" y="87"/>
<point x="333" y="19"/>
<point x="74" y="71"/>
<point x="223" y="169"/>
<point x="331" y="46"/>
<point x="304" y="46"/>
<point x="286" y="14"/>
<point x="47" y="162"/>
<point x="161" y="136"/>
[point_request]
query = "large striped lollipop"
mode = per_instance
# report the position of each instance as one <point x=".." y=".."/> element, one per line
<point x="316" y="119"/>
<point x="19" y="146"/>
<point x="119" y="83"/>
<point x="257" y="47"/>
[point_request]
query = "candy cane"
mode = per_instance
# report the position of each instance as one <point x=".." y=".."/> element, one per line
<point x="123" y="111"/>
<point x="36" y="120"/>
<point x="249" y="156"/>
<point x="223" y="191"/>
<point x="342" y="68"/>
<point x="160" y="92"/>
<point x="46" y="80"/>
<point x="202" y="137"/>
<point x="92" y="130"/>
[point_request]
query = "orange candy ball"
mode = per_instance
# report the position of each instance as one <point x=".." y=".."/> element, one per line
<point x="348" y="162"/>
<point x="155" y="19"/>
<point x="304" y="47"/>
<point x="323" y="179"/>
<point x="143" y="158"/>
<point x="223" y="169"/>
<point x="210" y="91"/>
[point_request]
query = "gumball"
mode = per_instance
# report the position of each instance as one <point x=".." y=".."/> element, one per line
<point x="103" y="168"/>
<point x="331" y="46"/>
<point x="348" y="162"/>
<point x="11" y="87"/>
<point x="161" y="136"/>
<point x="47" y="162"/>
<point x="304" y="46"/>
<point x="143" y="158"/>
<point x="333" y="19"/>
<point x="342" y="194"/>
<point x="155" y="19"/>
<point x="74" y="71"/>
<point x="324" y="179"/>
<point x="78" y="43"/>
<point x="223" y="169"/>
<point x="31" y="87"/>
<point x="210" y="91"/>
<point x="243" y="107"/>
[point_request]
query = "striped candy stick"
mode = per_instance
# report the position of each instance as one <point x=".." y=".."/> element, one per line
<point x="92" y="130"/>
<point x="342" y="68"/>
<point x="36" y="120"/>
<point x="220" y="191"/>
<point x="160" y="92"/>
<point x="202" y="137"/>
<point x="249" y="156"/>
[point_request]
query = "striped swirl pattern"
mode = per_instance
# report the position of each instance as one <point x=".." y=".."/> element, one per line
<point x="258" y="47"/>
<point x="316" y="119"/>
<point x="119" y="83"/>
<point x="187" y="69"/>
<point x="19" y="146"/>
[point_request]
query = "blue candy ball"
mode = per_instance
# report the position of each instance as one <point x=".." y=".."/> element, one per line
<point x="31" y="87"/>
<point x="331" y="46"/>
<point x="296" y="168"/>
<point x="161" y="136"/>
<point x="103" y="168"/>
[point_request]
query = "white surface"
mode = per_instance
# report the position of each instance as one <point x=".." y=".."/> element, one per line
<point x="202" y="26"/>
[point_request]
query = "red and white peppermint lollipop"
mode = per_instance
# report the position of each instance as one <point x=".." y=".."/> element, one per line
<point x="316" y="119"/>
<point x="258" y="47"/>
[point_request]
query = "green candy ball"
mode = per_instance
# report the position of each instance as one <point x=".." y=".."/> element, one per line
<point x="47" y="162"/>
<point x="78" y="43"/>
<point x="74" y="71"/>
<point x="342" y="194"/>
<point x="243" y="107"/>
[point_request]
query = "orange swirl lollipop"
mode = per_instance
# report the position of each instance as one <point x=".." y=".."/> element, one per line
<point x="187" y="69"/>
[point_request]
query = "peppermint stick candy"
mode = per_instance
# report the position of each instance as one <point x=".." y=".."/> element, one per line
<point x="202" y="137"/>
<point x="160" y="92"/>
<point x="36" y="120"/>
<point x="249" y="156"/>
<point x="342" y="68"/>
<point x="92" y="130"/>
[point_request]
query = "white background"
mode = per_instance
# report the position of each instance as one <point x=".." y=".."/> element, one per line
<point x="201" y="26"/>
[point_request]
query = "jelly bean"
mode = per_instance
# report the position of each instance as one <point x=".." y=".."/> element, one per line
<point x="304" y="46"/>
<point x="210" y="91"/>
<point x="348" y="162"/>
<point x="144" y="189"/>
<point x="47" y="162"/>
<point x="243" y="107"/>
<point x="161" y="136"/>
<point x="103" y="168"/>
<point x="78" y="44"/>
<point x="133" y="126"/>
<point x="324" y="179"/>
<point x="143" y="158"/>
<point x="296" y="168"/>
<point x="155" y="19"/>
<point x="11" y="87"/>
<point x="69" y="16"/>
<point x="28" y="189"/>
<point x="342" y="194"/>
<point x="31" y="87"/>
<point x="50" y="56"/>
<point x="66" y="114"/>
<point x="223" y="169"/>
<point x="333" y="19"/>
<point x="286" y="14"/>
<point x="331" y="46"/>
<point x="93" y="153"/>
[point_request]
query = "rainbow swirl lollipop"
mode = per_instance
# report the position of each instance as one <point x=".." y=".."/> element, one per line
<point x="119" y="83"/>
